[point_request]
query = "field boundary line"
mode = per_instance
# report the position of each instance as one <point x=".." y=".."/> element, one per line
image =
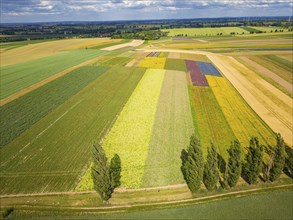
<point x="166" y="202"/>
<point x="44" y="82"/>
<point x="112" y="208"/>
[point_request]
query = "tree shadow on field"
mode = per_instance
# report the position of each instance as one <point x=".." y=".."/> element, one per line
<point x="183" y="157"/>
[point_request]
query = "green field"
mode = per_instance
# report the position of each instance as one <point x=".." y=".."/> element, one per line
<point x="46" y="99"/>
<point x="121" y="61"/>
<point x="171" y="131"/>
<point x="275" y="205"/>
<point x="195" y="32"/>
<point x="19" y="76"/>
<point x="175" y="64"/>
<point x="210" y="122"/>
<point x="52" y="154"/>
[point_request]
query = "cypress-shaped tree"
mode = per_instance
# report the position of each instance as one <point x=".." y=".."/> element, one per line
<point x="234" y="165"/>
<point x="115" y="171"/>
<point x="192" y="167"/>
<point x="101" y="173"/>
<point x="253" y="161"/>
<point x="278" y="159"/>
<point x="211" y="170"/>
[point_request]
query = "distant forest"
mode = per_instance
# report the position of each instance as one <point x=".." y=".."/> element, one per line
<point x="143" y="29"/>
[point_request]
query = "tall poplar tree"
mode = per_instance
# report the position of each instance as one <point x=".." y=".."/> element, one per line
<point x="234" y="165"/>
<point x="101" y="173"/>
<point x="211" y="169"/>
<point x="253" y="161"/>
<point x="192" y="165"/>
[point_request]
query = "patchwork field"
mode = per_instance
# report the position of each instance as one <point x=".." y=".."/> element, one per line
<point x="142" y="104"/>
<point x="52" y="154"/>
<point x="39" y="50"/>
<point x="19" y="76"/>
<point x="272" y="105"/>
<point x="46" y="99"/>
<point x="242" y="120"/>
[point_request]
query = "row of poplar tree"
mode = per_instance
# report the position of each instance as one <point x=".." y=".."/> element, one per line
<point x="196" y="171"/>
<point x="106" y="177"/>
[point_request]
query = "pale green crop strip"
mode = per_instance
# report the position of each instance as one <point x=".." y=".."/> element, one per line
<point x="130" y="136"/>
<point x="172" y="129"/>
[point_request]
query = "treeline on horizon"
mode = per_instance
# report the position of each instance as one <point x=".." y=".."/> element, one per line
<point x="146" y="30"/>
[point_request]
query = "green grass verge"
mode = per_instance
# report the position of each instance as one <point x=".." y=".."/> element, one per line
<point x="16" y="77"/>
<point x="171" y="132"/>
<point x="53" y="153"/>
<point x="261" y="204"/>
<point x="38" y="103"/>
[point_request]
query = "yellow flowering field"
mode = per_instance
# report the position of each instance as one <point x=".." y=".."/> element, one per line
<point x="242" y="120"/>
<point x="130" y="135"/>
<point x="153" y="62"/>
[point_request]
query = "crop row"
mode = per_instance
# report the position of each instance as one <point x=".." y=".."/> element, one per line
<point x="16" y="77"/>
<point x="51" y="155"/>
<point x="32" y="107"/>
<point x="242" y="120"/>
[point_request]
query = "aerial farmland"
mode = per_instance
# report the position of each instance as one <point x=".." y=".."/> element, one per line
<point x="70" y="105"/>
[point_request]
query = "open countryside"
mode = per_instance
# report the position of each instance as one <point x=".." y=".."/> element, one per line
<point x="69" y="107"/>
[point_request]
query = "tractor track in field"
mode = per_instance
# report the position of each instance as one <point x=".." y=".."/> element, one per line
<point x="45" y="81"/>
<point x="114" y="208"/>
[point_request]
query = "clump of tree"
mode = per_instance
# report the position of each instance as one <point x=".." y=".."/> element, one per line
<point x="276" y="163"/>
<point x="105" y="177"/>
<point x="211" y="170"/>
<point x="192" y="164"/>
<point x="253" y="161"/>
<point x="234" y="165"/>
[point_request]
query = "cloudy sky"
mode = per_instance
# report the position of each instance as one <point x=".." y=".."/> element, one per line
<point x="99" y="10"/>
